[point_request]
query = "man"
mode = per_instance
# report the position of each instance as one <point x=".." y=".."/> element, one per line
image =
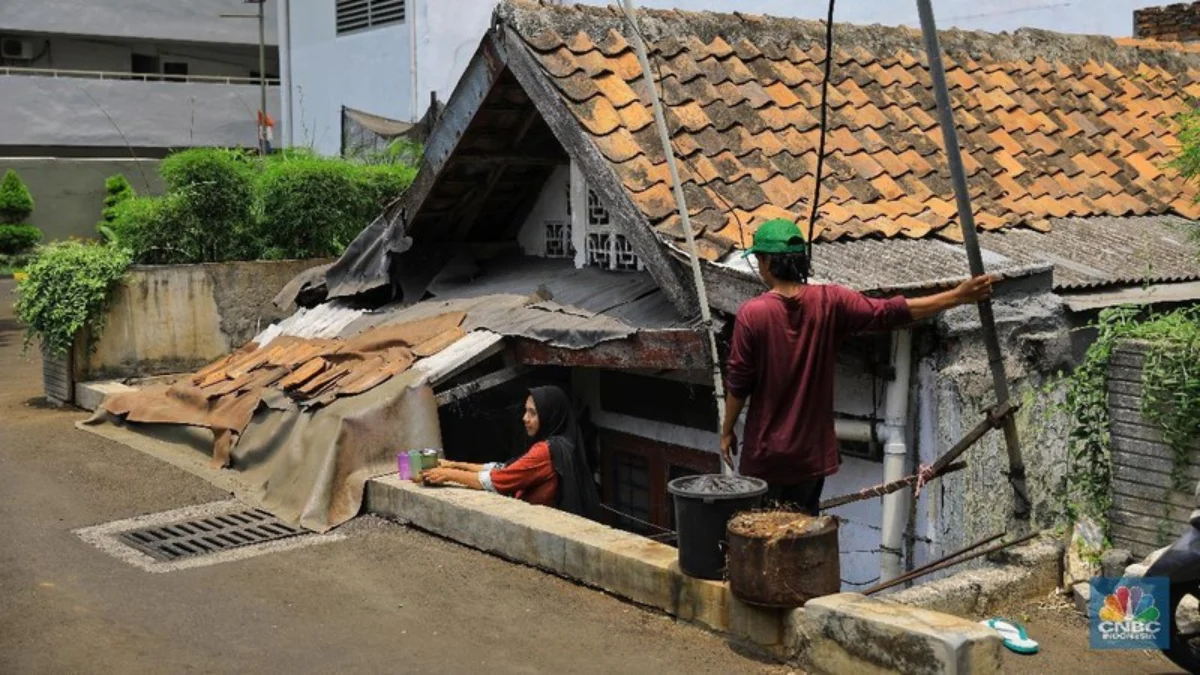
<point x="782" y="359"/>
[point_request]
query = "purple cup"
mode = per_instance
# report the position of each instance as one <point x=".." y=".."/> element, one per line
<point x="403" y="466"/>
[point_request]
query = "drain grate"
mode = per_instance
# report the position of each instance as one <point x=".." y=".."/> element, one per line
<point x="208" y="534"/>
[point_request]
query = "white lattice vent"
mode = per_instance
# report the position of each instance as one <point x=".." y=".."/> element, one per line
<point x="604" y="247"/>
<point x="558" y="239"/>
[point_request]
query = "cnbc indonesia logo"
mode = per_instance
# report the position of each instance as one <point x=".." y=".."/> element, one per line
<point x="1129" y="614"/>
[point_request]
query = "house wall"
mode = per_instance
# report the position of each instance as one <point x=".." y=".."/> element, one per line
<point x="368" y="70"/>
<point x="551" y="205"/>
<point x="185" y="20"/>
<point x="111" y="55"/>
<point x="448" y="33"/>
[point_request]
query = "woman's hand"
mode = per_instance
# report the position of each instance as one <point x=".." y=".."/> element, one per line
<point x="438" y="476"/>
<point x="975" y="289"/>
<point x="728" y="445"/>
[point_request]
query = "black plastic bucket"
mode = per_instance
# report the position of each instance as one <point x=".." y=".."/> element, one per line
<point x="703" y="506"/>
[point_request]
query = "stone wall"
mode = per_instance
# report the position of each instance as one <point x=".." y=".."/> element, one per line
<point x="976" y="502"/>
<point x="1170" y="23"/>
<point x="1146" y="513"/>
<point x="175" y="318"/>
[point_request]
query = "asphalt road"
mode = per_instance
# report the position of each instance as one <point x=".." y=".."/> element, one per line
<point x="386" y="599"/>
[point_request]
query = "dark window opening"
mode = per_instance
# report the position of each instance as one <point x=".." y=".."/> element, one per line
<point x="144" y="64"/>
<point x="175" y="71"/>
<point x="658" y="399"/>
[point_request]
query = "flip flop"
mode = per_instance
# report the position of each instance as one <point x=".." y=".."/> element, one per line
<point x="1013" y="634"/>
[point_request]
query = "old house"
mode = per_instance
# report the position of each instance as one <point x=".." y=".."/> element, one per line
<point x="544" y="179"/>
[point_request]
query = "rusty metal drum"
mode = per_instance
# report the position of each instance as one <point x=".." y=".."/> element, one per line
<point x="783" y="558"/>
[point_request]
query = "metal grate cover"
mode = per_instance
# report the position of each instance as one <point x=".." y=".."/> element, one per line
<point x="209" y="534"/>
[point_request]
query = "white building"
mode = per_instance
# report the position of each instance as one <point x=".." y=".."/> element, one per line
<point x="386" y="57"/>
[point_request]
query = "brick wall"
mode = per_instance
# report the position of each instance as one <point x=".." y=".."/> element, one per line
<point x="1169" y="23"/>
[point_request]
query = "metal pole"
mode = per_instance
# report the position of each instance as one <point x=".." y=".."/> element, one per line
<point x="1016" y="466"/>
<point x="681" y="204"/>
<point x="262" y="80"/>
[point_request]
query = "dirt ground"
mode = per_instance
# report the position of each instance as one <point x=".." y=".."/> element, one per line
<point x="1062" y="633"/>
<point x="385" y="599"/>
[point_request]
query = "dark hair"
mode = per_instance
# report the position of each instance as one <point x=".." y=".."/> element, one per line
<point x="791" y="267"/>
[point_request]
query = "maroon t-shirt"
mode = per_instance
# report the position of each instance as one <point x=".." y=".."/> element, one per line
<point x="782" y="358"/>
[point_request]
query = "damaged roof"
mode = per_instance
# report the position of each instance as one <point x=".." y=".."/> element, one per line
<point x="1052" y="125"/>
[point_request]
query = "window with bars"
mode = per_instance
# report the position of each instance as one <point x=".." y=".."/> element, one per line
<point x="604" y="247"/>
<point x="356" y="15"/>
<point x="631" y="489"/>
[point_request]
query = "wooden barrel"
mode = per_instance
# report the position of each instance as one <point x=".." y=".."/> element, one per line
<point x="782" y="558"/>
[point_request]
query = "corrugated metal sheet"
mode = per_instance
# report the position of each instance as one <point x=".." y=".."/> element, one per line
<point x="578" y="308"/>
<point x="1085" y="253"/>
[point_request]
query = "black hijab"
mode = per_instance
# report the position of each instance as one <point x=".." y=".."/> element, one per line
<point x="556" y="425"/>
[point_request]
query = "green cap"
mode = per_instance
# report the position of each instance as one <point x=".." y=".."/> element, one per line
<point x="778" y="236"/>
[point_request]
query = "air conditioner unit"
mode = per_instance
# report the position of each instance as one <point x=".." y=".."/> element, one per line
<point x="16" y="49"/>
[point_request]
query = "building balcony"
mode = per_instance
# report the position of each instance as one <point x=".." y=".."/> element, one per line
<point x="49" y="108"/>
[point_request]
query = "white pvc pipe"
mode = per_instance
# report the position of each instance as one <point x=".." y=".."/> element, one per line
<point x="857" y="431"/>
<point x="895" y="456"/>
<point x="285" y="65"/>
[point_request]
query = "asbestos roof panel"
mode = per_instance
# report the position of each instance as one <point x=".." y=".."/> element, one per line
<point x="1085" y="253"/>
<point x="1052" y="125"/>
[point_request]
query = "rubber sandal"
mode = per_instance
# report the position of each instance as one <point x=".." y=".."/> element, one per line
<point x="1013" y="634"/>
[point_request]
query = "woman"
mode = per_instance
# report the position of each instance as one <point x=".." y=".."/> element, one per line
<point x="552" y="472"/>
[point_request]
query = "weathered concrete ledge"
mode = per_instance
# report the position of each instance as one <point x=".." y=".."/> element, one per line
<point x="1031" y="570"/>
<point x="842" y="633"/>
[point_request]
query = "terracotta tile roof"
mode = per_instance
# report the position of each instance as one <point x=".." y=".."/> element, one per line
<point x="1052" y="125"/>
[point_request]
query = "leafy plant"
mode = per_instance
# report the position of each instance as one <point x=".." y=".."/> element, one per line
<point x="67" y="290"/>
<point x="117" y="189"/>
<point x="314" y="206"/>
<point x="16" y="239"/>
<point x="213" y="198"/>
<point x="15" y="201"/>
<point x="159" y="230"/>
<point x="1170" y="401"/>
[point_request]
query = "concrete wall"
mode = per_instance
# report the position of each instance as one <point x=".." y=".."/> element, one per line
<point x="176" y="318"/>
<point x="186" y="20"/>
<point x="448" y="33"/>
<point x="112" y="55"/>
<point x="69" y="193"/>
<point x="43" y="111"/>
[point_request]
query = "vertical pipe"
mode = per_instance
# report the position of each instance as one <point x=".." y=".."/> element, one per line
<point x="262" y="79"/>
<point x="681" y="204"/>
<point x="1016" y="466"/>
<point x="285" y="68"/>
<point x="895" y="457"/>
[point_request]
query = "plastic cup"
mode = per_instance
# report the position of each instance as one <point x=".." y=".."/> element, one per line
<point x="403" y="465"/>
<point x="414" y="463"/>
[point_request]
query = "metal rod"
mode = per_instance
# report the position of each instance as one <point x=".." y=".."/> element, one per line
<point x="681" y="205"/>
<point x="886" y="488"/>
<point x="937" y="71"/>
<point x="950" y="563"/>
<point x="916" y="572"/>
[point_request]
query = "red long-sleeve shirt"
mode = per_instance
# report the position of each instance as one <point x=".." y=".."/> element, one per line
<point x="531" y="478"/>
<point x="782" y="358"/>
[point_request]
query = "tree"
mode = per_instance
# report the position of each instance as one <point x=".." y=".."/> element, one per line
<point x="15" y="201"/>
<point x="116" y="190"/>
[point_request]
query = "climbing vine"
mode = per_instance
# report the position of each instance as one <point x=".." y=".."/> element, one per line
<point x="67" y="288"/>
<point x="1170" y="401"/>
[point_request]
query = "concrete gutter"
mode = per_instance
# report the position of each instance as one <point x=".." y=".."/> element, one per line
<point x="839" y="633"/>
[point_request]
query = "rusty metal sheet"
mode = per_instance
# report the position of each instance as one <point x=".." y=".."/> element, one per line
<point x="304" y="373"/>
<point x="439" y="342"/>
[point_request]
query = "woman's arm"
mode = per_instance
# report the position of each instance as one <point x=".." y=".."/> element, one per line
<point x="442" y="475"/>
<point x="463" y="466"/>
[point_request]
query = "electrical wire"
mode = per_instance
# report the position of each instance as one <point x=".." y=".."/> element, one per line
<point x="816" y="200"/>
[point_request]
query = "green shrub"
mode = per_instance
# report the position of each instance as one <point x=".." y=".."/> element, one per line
<point x="212" y="189"/>
<point x="67" y="290"/>
<point x="159" y="231"/>
<point x="15" y="201"/>
<point x="117" y="189"/>
<point x="314" y="206"/>
<point x="16" y="239"/>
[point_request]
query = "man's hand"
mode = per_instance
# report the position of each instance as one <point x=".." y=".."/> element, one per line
<point x="728" y="447"/>
<point x="975" y="290"/>
<point x="436" y="476"/>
